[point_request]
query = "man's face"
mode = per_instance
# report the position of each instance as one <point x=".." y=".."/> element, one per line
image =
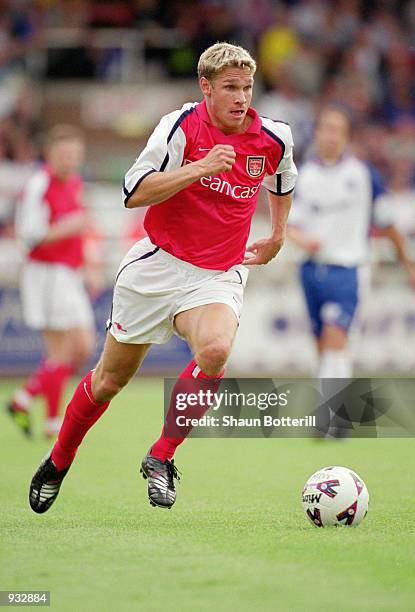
<point x="66" y="156"/>
<point x="332" y="134"/>
<point x="228" y="97"/>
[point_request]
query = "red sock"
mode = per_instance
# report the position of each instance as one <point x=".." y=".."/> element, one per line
<point x="191" y="380"/>
<point x="33" y="386"/>
<point x="48" y="380"/>
<point x="81" y="414"/>
<point x="23" y="397"/>
<point x="54" y="379"/>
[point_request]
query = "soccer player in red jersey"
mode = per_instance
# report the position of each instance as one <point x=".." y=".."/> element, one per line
<point x="200" y="175"/>
<point x="50" y="222"/>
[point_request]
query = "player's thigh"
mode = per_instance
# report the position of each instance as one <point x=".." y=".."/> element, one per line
<point x="119" y="362"/>
<point x="207" y="325"/>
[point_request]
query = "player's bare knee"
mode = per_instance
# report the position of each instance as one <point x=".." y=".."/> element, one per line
<point x="213" y="357"/>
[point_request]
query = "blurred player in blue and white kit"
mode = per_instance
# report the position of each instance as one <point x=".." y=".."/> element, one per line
<point x="335" y="206"/>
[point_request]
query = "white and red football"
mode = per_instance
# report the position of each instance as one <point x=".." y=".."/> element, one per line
<point x="335" y="496"/>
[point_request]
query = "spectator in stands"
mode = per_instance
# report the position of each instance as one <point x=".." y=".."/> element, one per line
<point x="285" y="102"/>
<point x="277" y="44"/>
<point x="13" y="175"/>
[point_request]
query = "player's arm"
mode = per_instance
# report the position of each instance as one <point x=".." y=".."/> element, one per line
<point x="302" y="239"/>
<point x="383" y="218"/>
<point x="32" y="219"/>
<point x="157" y="187"/>
<point x="71" y="225"/>
<point x="398" y="240"/>
<point x="160" y="171"/>
<point x="299" y="221"/>
<point x="262" y="251"/>
<point x="280" y="189"/>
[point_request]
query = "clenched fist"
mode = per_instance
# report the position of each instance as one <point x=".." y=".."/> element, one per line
<point x="219" y="159"/>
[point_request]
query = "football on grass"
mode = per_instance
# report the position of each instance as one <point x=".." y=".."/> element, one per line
<point x="335" y="496"/>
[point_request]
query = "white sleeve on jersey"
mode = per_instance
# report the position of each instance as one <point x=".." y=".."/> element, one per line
<point x="164" y="151"/>
<point x="283" y="181"/>
<point x="383" y="213"/>
<point x="32" y="215"/>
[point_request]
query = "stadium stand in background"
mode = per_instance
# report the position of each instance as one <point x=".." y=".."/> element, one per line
<point x="115" y="67"/>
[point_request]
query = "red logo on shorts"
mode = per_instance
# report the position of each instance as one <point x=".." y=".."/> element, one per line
<point x="255" y="165"/>
<point x="120" y="327"/>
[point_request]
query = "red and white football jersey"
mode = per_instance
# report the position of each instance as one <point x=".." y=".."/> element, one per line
<point x="208" y="222"/>
<point x="47" y="199"/>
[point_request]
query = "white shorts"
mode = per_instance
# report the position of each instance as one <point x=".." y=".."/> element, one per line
<point x="54" y="297"/>
<point x="152" y="287"/>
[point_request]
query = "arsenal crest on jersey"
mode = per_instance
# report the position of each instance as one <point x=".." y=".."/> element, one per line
<point x="255" y="165"/>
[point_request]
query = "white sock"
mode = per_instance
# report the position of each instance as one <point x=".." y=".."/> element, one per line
<point x="23" y="399"/>
<point x="52" y="426"/>
<point x="335" y="364"/>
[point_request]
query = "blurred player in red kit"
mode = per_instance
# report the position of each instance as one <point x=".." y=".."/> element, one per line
<point x="200" y="175"/>
<point x="50" y="221"/>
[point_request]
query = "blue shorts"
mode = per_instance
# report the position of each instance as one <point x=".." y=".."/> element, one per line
<point x="331" y="294"/>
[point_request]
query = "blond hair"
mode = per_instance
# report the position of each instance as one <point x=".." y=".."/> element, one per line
<point x="222" y="55"/>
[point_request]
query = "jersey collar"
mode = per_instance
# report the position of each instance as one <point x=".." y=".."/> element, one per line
<point x="254" y="128"/>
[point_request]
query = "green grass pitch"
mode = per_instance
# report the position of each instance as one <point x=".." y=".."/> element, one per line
<point x="236" y="539"/>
